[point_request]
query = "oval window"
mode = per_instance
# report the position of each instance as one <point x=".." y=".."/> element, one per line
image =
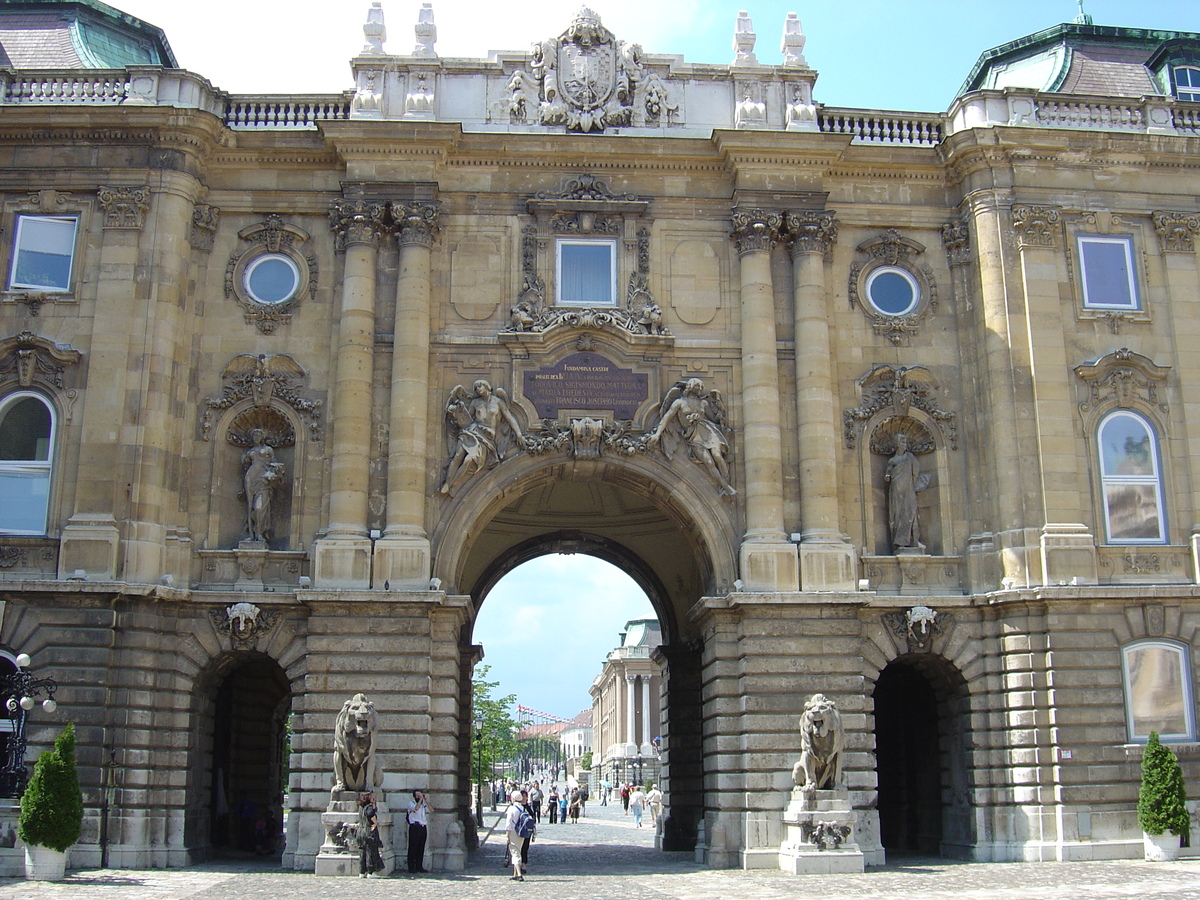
<point x="892" y="291"/>
<point x="272" y="278"/>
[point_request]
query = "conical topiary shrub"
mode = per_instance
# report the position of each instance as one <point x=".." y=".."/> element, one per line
<point x="1161" y="800"/>
<point x="52" y="805"/>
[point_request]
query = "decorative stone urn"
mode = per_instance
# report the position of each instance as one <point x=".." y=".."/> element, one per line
<point x="44" y="864"/>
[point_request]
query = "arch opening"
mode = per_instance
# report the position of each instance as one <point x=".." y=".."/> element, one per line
<point x="240" y="772"/>
<point x="922" y="718"/>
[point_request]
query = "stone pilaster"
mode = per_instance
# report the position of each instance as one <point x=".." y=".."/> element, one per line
<point x="827" y="559"/>
<point x="768" y="561"/>
<point x="1068" y="549"/>
<point x="342" y="557"/>
<point x="1176" y="234"/>
<point x="402" y="557"/>
<point x="996" y="334"/>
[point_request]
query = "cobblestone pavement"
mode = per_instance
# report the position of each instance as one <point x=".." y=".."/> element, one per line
<point x="605" y="858"/>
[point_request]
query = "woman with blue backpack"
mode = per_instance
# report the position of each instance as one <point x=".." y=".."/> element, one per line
<point x="518" y="827"/>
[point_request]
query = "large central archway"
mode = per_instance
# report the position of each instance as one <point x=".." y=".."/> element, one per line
<point x="674" y="541"/>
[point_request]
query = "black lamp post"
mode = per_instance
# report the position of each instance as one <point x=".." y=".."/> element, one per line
<point x="479" y="769"/>
<point x="638" y="759"/>
<point x="20" y="691"/>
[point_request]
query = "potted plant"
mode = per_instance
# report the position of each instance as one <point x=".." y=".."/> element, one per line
<point x="51" y="810"/>
<point x="1161" y="808"/>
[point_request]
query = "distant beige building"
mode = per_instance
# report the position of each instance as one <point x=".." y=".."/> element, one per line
<point x="898" y="407"/>
<point x="627" y="707"/>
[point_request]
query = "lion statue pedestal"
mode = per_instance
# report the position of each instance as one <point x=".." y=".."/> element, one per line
<point x="339" y="854"/>
<point x="820" y="834"/>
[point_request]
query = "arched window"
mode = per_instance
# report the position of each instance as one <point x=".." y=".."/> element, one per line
<point x="26" y="457"/>
<point x="1131" y="482"/>
<point x="1158" y="692"/>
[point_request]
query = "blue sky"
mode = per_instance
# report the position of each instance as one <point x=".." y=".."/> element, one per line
<point x="884" y="54"/>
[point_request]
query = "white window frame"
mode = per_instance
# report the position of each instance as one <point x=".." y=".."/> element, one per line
<point x="18" y="247"/>
<point x="272" y="257"/>
<point x="1125" y="241"/>
<point x="1189" y="93"/>
<point x="903" y="273"/>
<point x="1185" y="683"/>
<point x="32" y="467"/>
<point x="559" y="243"/>
<point x="1107" y="478"/>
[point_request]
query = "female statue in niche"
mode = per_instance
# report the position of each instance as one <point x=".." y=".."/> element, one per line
<point x="262" y="475"/>
<point x="904" y="478"/>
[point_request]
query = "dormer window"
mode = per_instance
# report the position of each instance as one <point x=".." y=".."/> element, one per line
<point x="1187" y="83"/>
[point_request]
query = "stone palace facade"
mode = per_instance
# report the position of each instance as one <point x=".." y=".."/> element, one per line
<point x="900" y="408"/>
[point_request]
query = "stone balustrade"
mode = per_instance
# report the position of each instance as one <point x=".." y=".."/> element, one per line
<point x="879" y="127"/>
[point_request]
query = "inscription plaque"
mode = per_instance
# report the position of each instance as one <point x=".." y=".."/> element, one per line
<point x="586" y="381"/>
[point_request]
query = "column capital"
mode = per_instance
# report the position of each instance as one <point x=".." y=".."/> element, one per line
<point x="811" y="231"/>
<point x="124" y="207"/>
<point x="755" y="229"/>
<point x="1176" y="231"/>
<point x="956" y="237"/>
<point x="1035" y="227"/>
<point x="356" y="222"/>
<point x="416" y="222"/>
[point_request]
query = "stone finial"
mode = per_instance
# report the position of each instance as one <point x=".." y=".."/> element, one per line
<point x="374" y="30"/>
<point x="426" y="32"/>
<point x="793" y="42"/>
<point x="743" y="41"/>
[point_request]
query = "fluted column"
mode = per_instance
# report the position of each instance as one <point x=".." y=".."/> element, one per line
<point x="342" y="558"/>
<point x="402" y="557"/>
<point x="827" y="559"/>
<point x="768" y="559"/>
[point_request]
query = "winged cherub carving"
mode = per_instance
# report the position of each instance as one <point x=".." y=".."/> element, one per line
<point x="697" y="419"/>
<point x="480" y="430"/>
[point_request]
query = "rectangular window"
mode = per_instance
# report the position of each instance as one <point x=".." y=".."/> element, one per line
<point x="1107" y="270"/>
<point x="586" y="273"/>
<point x="43" y="253"/>
<point x="1158" y="693"/>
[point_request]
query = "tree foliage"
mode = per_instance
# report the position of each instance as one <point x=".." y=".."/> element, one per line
<point x="1161" y="800"/>
<point x="585" y="761"/>
<point x="493" y="727"/>
<point x="52" y="805"/>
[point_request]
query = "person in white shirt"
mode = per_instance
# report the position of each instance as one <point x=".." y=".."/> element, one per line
<point x="418" y="831"/>
<point x="515" y="841"/>
<point x="636" y="799"/>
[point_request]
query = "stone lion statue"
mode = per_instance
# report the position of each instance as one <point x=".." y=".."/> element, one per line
<point x="821" y="743"/>
<point x="354" y="767"/>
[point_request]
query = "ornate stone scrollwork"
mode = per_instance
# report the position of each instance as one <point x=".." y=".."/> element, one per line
<point x="357" y="222"/>
<point x="124" y="207"/>
<point x="1176" y="232"/>
<point x="587" y="80"/>
<point x="585" y="438"/>
<point x="29" y="357"/>
<point x="893" y="256"/>
<point x="1123" y="378"/>
<point x="263" y="379"/>
<point x="918" y="626"/>
<point x="901" y="388"/>
<point x="812" y="231"/>
<point x="242" y="623"/>
<point x="416" y="223"/>
<point x="1035" y="226"/>
<point x="755" y="230"/>
<point x="204" y="226"/>
<point x="956" y="237"/>
<point x="273" y="242"/>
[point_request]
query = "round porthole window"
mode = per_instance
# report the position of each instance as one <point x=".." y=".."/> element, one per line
<point x="893" y="291"/>
<point x="272" y="279"/>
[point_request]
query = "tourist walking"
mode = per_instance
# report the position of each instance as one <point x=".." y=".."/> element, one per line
<point x="583" y="799"/>
<point x="552" y="804"/>
<point x="517" y="820"/>
<point x="636" y="798"/>
<point x="654" y="801"/>
<point x="625" y="797"/>
<point x="573" y="806"/>
<point x="535" y="801"/>
<point x="418" y="831"/>
<point x="562" y="806"/>
<point x="370" y="861"/>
